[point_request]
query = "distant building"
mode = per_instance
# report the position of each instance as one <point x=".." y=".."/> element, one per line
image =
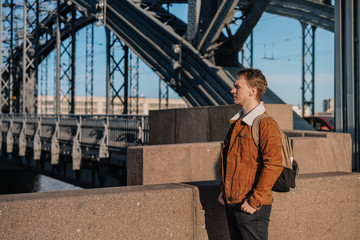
<point x="328" y="109"/>
<point x="329" y="105"/>
<point x="46" y="105"/>
<point x="298" y="110"/>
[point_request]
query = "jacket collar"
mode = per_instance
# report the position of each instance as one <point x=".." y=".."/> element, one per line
<point x="250" y="117"/>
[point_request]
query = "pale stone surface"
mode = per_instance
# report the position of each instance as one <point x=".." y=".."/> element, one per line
<point x="321" y="206"/>
<point x="171" y="211"/>
<point x="173" y="163"/>
<point x="315" y="152"/>
<point x="282" y="113"/>
<point x="323" y="154"/>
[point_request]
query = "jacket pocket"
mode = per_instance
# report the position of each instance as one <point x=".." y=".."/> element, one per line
<point x="243" y="181"/>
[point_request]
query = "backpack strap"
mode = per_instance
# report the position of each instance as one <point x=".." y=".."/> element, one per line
<point x="255" y="128"/>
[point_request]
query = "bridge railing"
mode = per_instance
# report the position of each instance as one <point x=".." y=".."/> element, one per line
<point x="79" y="137"/>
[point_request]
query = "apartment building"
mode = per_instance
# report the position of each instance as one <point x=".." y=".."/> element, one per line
<point x="46" y="105"/>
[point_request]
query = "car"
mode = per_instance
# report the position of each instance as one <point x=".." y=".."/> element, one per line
<point x="321" y="123"/>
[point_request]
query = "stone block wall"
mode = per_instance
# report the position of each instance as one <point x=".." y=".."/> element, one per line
<point x="322" y="206"/>
<point x="171" y="211"/>
<point x="173" y="163"/>
<point x="315" y="152"/>
<point x="204" y="124"/>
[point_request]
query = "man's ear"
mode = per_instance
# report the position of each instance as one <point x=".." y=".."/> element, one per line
<point x="253" y="91"/>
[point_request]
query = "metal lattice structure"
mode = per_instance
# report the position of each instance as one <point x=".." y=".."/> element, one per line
<point x="117" y="73"/>
<point x="195" y="59"/>
<point x="89" y="70"/>
<point x="347" y="73"/>
<point x="308" y="68"/>
<point x="247" y="59"/>
<point x="7" y="36"/>
<point x="203" y="33"/>
<point x="29" y="62"/>
<point x="163" y="94"/>
<point x="134" y="84"/>
<point x="43" y="79"/>
<point x="66" y="57"/>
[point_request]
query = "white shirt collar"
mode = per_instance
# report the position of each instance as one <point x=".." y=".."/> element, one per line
<point x="250" y="117"/>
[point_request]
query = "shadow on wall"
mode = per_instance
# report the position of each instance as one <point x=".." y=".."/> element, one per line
<point x="215" y="217"/>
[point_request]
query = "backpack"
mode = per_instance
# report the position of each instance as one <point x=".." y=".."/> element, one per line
<point x="286" y="180"/>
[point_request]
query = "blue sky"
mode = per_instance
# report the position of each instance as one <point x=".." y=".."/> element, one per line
<point x="274" y="36"/>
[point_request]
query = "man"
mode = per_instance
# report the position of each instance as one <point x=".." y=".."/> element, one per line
<point x="248" y="172"/>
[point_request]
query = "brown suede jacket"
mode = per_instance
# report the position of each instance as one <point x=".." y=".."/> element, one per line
<point x="249" y="172"/>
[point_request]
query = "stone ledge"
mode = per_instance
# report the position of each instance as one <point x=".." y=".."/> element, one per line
<point x="322" y="206"/>
<point x="189" y="162"/>
<point x="170" y="211"/>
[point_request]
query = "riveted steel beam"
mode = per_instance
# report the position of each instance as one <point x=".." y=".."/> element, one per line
<point x="134" y="84"/>
<point x="347" y="79"/>
<point x="196" y="92"/>
<point x="7" y="70"/>
<point x="222" y="17"/>
<point x="196" y="68"/>
<point x="117" y="74"/>
<point x="89" y="70"/>
<point x="308" y="68"/>
<point x="310" y="12"/>
<point x="163" y="94"/>
<point x="253" y="14"/>
<point x="28" y="94"/>
<point x="247" y="51"/>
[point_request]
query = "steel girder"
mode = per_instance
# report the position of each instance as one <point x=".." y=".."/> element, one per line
<point x="114" y="68"/>
<point x="153" y="41"/>
<point x="6" y="50"/>
<point x="134" y="84"/>
<point x="308" y="68"/>
<point x="11" y="77"/>
<point x="206" y="92"/>
<point x="163" y="93"/>
<point x="314" y="13"/>
<point x="89" y="70"/>
<point x="347" y="73"/>
<point x="247" y="59"/>
<point x="222" y="17"/>
<point x="101" y="140"/>
<point x="65" y="72"/>
<point x="28" y="93"/>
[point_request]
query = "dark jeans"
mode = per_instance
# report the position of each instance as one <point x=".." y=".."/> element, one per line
<point x="244" y="226"/>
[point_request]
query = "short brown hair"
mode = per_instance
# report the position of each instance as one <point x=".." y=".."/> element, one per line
<point x="255" y="78"/>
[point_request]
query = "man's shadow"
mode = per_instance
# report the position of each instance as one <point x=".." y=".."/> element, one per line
<point x="215" y="217"/>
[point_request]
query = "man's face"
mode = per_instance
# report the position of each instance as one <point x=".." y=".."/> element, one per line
<point x="242" y="93"/>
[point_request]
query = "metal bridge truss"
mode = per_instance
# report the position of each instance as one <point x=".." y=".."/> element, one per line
<point x="247" y="59"/>
<point x="201" y="72"/>
<point x="196" y="59"/>
<point x="66" y="56"/>
<point x="308" y="68"/>
<point x="89" y="70"/>
<point x="72" y="147"/>
<point x="7" y="41"/>
<point x="163" y="94"/>
<point x="347" y="73"/>
<point x="134" y="84"/>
